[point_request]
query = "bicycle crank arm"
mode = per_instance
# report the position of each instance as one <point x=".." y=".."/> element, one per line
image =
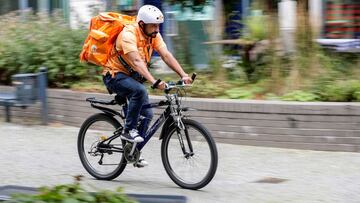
<point x="133" y="149"/>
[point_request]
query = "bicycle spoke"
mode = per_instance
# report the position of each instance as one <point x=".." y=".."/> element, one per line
<point x="101" y="159"/>
<point x="194" y="168"/>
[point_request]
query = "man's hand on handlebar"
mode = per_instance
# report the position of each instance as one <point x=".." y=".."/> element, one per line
<point x="161" y="85"/>
<point x="187" y="79"/>
<point x="158" y="84"/>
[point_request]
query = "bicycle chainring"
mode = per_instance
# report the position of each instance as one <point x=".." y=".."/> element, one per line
<point x="131" y="158"/>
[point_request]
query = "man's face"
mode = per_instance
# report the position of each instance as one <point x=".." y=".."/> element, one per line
<point x="151" y="30"/>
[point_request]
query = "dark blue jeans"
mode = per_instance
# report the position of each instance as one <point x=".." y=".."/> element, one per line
<point x="136" y="95"/>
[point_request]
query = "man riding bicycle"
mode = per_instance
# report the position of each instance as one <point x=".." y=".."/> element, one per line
<point x="127" y="69"/>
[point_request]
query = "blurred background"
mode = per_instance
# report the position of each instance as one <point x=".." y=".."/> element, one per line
<point x="305" y="50"/>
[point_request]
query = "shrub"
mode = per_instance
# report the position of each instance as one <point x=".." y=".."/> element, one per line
<point x="299" y="95"/>
<point x="239" y="93"/>
<point x="357" y="96"/>
<point x="27" y="44"/>
<point x="244" y="93"/>
<point x="71" y="193"/>
<point x="344" y="90"/>
<point x="355" y="88"/>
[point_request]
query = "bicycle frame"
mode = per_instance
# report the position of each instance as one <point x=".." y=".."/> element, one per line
<point x="176" y="126"/>
<point x="171" y="101"/>
<point x="157" y="124"/>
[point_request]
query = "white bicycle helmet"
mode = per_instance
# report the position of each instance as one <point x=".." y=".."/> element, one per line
<point x="150" y="14"/>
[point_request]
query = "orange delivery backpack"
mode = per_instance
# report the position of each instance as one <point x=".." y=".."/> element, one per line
<point x="103" y="31"/>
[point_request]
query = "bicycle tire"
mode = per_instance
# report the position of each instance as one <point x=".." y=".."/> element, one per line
<point x="81" y="151"/>
<point x="213" y="153"/>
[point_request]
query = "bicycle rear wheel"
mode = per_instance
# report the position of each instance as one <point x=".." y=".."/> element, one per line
<point x="189" y="156"/>
<point x="102" y="161"/>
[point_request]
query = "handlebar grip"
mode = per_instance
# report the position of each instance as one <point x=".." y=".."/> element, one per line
<point x="193" y="76"/>
<point x="154" y="86"/>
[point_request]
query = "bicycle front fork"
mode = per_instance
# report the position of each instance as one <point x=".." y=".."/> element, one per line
<point x="188" y="140"/>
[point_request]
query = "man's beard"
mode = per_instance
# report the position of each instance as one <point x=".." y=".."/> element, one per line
<point x="152" y="35"/>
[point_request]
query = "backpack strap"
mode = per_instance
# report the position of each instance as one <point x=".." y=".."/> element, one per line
<point x="135" y="75"/>
<point x="125" y="64"/>
<point x="149" y="53"/>
<point x="132" y="72"/>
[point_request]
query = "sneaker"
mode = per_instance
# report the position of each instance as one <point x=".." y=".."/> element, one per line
<point x="132" y="136"/>
<point x="141" y="163"/>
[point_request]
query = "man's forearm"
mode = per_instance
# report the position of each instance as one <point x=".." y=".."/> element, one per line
<point x="141" y="68"/>
<point x="139" y="65"/>
<point x="170" y="60"/>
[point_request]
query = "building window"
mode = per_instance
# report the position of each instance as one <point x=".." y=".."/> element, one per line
<point x="342" y="19"/>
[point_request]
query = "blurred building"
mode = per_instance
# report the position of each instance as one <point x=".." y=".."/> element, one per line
<point x="331" y="18"/>
<point x="36" y="5"/>
<point x="335" y="23"/>
<point x="194" y="24"/>
<point x="342" y="19"/>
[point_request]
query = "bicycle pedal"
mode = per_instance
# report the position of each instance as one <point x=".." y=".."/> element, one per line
<point x="137" y="165"/>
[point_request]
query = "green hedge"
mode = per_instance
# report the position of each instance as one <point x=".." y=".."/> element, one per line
<point x="71" y="193"/>
<point x="35" y="41"/>
<point x="341" y="91"/>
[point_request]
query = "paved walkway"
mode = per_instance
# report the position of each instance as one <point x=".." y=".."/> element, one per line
<point x="37" y="156"/>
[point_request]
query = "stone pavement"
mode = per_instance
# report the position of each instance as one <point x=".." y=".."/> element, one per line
<point x="38" y="156"/>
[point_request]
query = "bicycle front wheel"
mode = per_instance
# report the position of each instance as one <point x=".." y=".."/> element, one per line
<point x="189" y="156"/>
<point x="102" y="160"/>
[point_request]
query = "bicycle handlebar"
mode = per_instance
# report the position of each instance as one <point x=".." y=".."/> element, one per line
<point x="154" y="86"/>
<point x="172" y="85"/>
<point x="179" y="84"/>
<point x="193" y="77"/>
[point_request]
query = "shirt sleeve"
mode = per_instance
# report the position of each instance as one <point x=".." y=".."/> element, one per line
<point x="159" y="42"/>
<point x="128" y="42"/>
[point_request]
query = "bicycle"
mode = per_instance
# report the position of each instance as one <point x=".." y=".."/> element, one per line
<point x="184" y="141"/>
